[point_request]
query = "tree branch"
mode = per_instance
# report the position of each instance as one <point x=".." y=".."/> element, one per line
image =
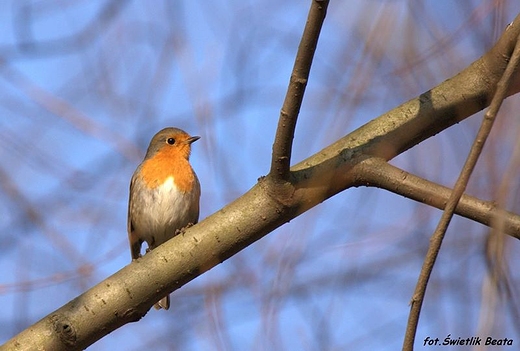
<point x="376" y="172"/>
<point x="127" y="295"/>
<point x="282" y="146"/>
<point x="458" y="190"/>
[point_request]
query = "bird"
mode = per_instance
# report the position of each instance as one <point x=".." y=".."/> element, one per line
<point x="164" y="194"/>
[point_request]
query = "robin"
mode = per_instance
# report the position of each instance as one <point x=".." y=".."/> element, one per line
<point x="164" y="194"/>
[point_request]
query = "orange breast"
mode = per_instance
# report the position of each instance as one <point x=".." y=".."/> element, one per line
<point x="167" y="163"/>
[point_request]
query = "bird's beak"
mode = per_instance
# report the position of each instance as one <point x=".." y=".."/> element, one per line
<point x="192" y="139"/>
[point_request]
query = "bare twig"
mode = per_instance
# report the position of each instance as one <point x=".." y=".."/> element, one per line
<point x="458" y="190"/>
<point x="70" y="113"/>
<point x="376" y="172"/>
<point x="28" y="46"/>
<point x="60" y="241"/>
<point x="282" y="147"/>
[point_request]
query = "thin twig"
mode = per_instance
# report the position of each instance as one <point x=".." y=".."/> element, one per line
<point x="458" y="190"/>
<point x="282" y="147"/>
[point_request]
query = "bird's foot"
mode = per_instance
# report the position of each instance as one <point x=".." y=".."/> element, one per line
<point x="183" y="229"/>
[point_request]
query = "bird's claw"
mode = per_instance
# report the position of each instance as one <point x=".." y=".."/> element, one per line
<point x="183" y="229"/>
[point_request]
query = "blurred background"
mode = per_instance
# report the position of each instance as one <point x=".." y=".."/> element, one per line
<point x="84" y="85"/>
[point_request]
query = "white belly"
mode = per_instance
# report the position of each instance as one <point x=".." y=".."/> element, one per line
<point x="164" y="210"/>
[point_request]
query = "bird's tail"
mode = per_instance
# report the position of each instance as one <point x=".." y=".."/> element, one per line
<point x="163" y="303"/>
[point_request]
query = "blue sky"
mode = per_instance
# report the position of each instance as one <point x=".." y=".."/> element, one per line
<point x="82" y="94"/>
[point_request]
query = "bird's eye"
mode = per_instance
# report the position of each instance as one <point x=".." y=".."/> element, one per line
<point x="170" y="141"/>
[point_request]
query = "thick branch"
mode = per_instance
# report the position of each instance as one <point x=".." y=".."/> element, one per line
<point x="127" y="295"/>
<point x="460" y="185"/>
<point x="449" y="103"/>
<point x="282" y="147"/>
